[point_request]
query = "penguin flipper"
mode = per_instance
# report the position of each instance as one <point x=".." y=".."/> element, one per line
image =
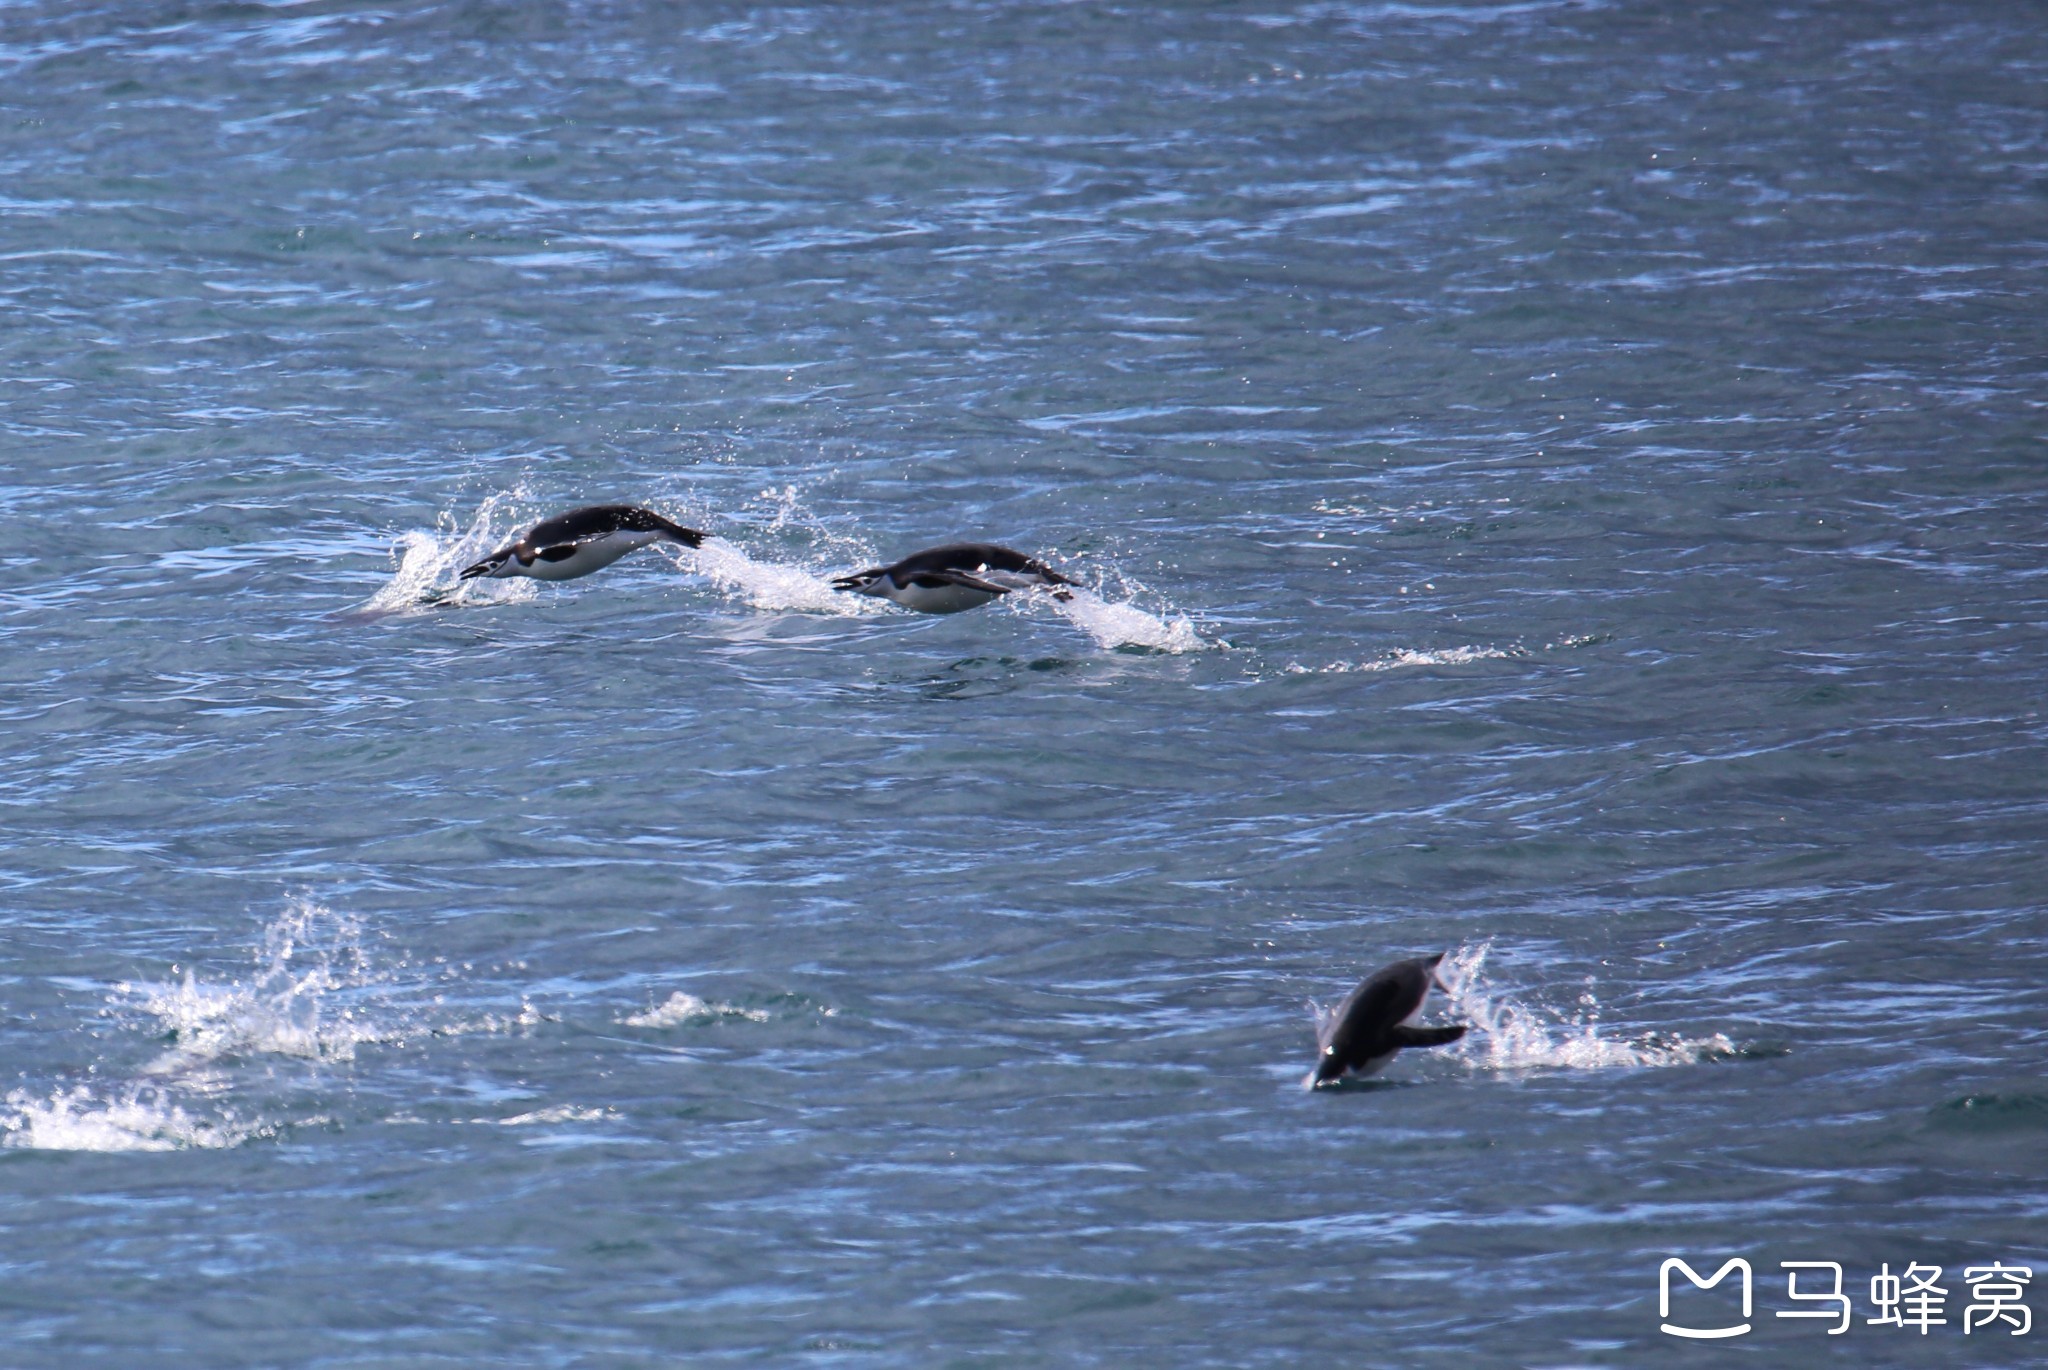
<point x="561" y="551"/>
<point x="966" y="580"/>
<point x="1426" y="1036"/>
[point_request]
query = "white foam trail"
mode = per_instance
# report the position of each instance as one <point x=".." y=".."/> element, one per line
<point x="681" y="1007"/>
<point x="430" y="564"/>
<point x="1510" y="1036"/>
<point x="766" y="584"/>
<point x="1126" y="625"/>
<point x="560" y="1113"/>
<point x="135" y="1117"/>
<point x="1402" y="657"/>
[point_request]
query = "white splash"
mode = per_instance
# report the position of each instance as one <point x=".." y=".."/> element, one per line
<point x="1126" y="625"/>
<point x="493" y="1024"/>
<point x="430" y="564"/>
<point x="1403" y="657"/>
<point x="134" y="1117"/>
<point x="766" y="584"/>
<point x="312" y="995"/>
<point x="681" y="1007"/>
<point x="1509" y="1036"/>
<point x="300" y="999"/>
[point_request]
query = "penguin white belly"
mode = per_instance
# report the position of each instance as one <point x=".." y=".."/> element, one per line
<point x="591" y="554"/>
<point x="940" y="599"/>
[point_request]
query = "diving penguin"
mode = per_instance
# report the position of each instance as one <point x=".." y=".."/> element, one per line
<point x="958" y="576"/>
<point x="581" y="541"/>
<point x="1376" y="1020"/>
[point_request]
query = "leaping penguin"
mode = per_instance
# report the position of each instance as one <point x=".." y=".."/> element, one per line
<point x="1376" y="1020"/>
<point x="956" y="577"/>
<point x="581" y="541"/>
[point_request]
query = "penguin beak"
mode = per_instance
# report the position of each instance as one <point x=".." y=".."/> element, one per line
<point x="482" y="568"/>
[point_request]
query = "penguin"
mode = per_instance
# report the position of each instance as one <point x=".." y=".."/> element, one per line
<point x="581" y="541"/>
<point x="1376" y="1020"/>
<point x="956" y="577"/>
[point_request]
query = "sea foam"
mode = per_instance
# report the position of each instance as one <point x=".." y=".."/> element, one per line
<point x="1509" y="1035"/>
<point x="128" y="1117"/>
<point x="682" y="1007"/>
<point x="312" y="994"/>
<point x="430" y="564"/>
<point x="766" y="584"/>
<point x="1124" y="624"/>
<point x="1401" y="658"/>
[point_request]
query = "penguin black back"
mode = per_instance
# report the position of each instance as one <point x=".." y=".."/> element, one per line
<point x="580" y="524"/>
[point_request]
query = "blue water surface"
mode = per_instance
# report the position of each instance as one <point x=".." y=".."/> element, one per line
<point x="1560" y="484"/>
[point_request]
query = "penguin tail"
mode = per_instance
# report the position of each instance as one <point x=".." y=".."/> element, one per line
<point x="688" y="537"/>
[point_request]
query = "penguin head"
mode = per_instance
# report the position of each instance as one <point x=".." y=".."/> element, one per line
<point x="873" y="581"/>
<point x="1329" y="1068"/>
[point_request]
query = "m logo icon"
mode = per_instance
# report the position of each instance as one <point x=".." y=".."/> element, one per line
<point x="1701" y="1334"/>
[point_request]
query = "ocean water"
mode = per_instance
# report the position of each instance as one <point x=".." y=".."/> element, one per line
<point x="1558" y="484"/>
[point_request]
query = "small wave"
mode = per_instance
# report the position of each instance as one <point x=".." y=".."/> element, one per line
<point x="1510" y="1036"/>
<point x="560" y="1113"/>
<point x="2018" y="1111"/>
<point x="136" y="1117"/>
<point x="1403" y="657"/>
<point x="493" y="1024"/>
<point x="681" y="1007"/>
